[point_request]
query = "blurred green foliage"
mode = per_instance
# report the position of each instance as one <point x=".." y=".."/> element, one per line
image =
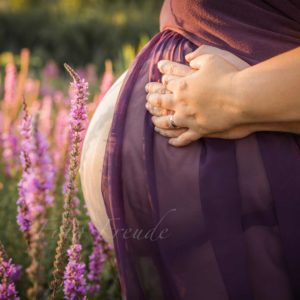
<point x="77" y="31"/>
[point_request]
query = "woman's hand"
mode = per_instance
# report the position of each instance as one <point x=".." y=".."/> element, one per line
<point x="199" y="96"/>
<point x="156" y="111"/>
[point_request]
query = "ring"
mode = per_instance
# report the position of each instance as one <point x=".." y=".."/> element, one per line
<point x="172" y="123"/>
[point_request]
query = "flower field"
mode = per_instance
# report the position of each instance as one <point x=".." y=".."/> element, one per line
<point x="49" y="249"/>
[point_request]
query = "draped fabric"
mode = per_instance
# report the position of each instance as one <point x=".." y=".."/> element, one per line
<point x="217" y="219"/>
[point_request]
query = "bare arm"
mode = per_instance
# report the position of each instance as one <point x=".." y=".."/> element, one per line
<point x="270" y="92"/>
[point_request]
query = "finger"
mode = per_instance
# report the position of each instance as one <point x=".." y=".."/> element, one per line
<point x="165" y="101"/>
<point x="156" y="87"/>
<point x="184" y="139"/>
<point x="156" y="111"/>
<point x="210" y="50"/>
<point x="198" y="62"/>
<point x="206" y="49"/>
<point x="166" y="79"/>
<point x="164" y="121"/>
<point x="170" y="133"/>
<point x="172" y="83"/>
<point x="199" y="51"/>
<point x="173" y="68"/>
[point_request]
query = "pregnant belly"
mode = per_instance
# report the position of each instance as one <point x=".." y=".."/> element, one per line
<point x="94" y="150"/>
<point x="178" y="167"/>
<point x="210" y="203"/>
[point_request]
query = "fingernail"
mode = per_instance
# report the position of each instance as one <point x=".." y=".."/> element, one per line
<point x="170" y="141"/>
<point x="193" y="64"/>
<point x="187" y="57"/>
<point x="147" y="87"/>
<point x="156" y="129"/>
<point x="160" y="65"/>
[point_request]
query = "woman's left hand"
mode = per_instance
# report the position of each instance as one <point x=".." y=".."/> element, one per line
<point x="200" y="97"/>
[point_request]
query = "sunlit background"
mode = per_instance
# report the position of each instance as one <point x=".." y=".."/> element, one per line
<point x="99" y="39"/>
<point x="77" y="31"/>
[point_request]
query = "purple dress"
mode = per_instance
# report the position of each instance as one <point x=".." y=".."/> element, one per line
<point x="217" y="219"/>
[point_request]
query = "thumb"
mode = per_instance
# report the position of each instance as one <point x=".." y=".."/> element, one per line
<point x="198" y="61"/>
<point x="200" y="50"/>
<point x="228" y="56"/>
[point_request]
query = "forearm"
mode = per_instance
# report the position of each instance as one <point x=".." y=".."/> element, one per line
<point x="269" y="92"/>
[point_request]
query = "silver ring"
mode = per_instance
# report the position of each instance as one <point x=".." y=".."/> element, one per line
<point x="172" y="123"/>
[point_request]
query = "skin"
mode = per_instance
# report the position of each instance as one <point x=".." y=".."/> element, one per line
<point x="212" y="96"/>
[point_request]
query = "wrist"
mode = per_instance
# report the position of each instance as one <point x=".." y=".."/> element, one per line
<point x="245" y="111"/>
<point x="235" y="104"/>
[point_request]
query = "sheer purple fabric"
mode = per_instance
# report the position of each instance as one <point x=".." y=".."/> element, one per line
<point x="218" y="219"/>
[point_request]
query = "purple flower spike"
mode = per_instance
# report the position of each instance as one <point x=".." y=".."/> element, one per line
<point x="24" y="215"/>
<point x="8" y="274"/>
<point x="96" y="260"/>
<point x="78" y="123"/>
<point x="37" y="182"/>
<point x="74" y="275"/>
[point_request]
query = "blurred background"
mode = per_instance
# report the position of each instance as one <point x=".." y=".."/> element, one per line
<point x="100" y="39"/>
<point x="77" y="31"/>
